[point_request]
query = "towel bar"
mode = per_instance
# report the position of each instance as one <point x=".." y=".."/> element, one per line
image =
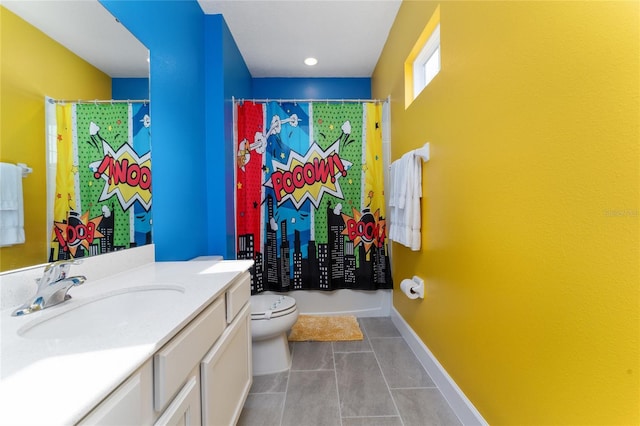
<point x="26" y="171"/>
<point x="423" y="152"/>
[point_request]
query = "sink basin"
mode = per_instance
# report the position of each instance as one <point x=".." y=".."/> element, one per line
<point x="111" y="313"/>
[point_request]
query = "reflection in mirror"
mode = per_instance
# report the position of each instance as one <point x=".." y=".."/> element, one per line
<point x="99" y="183"/>
<point x="72" y="50"/>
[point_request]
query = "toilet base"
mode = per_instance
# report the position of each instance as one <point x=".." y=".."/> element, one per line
<point x="271" y="355"/>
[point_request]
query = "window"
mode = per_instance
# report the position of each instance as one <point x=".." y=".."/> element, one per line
<point x="427" y="63"/>
<point x="423" y="63"/>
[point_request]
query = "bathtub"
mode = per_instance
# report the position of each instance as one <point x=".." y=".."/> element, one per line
<point x="342" y="302"/>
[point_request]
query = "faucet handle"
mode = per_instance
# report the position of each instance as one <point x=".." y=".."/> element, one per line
<point x="57" y="270"/>
<point x="62" y="263"/>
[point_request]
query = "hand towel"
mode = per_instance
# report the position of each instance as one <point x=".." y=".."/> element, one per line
<point x="404" y="203"/>
<point x="11" y="205"/>
<point x="413" y="205"/>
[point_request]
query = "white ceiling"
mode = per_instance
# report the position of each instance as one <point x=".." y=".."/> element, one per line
<point x="274" y="36"/>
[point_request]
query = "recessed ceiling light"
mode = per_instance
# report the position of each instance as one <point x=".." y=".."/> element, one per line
<point x="311" y="61"/>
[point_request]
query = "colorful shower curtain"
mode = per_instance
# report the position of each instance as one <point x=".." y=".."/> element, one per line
<point x="309" y="195"/>
<point x="103" y="179"/>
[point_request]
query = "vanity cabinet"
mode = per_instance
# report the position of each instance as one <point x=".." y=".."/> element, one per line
<point x="201" y="376"/>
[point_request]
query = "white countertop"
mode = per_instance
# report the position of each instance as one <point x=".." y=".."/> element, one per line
<point x="59" y="380"/>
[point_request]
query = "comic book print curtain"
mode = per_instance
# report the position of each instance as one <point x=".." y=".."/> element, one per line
<point x="309" y="195"/>
<point x="103" y="179"/>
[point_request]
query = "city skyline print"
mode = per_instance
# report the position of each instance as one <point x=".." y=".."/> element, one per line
<point x="309" y="195"/>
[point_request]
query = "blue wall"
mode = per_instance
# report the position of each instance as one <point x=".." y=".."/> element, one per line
<point x="195" y="69"/>
<point x="129" y="88"/>
<point x="312" y="88"/>
<point x="174" y="33"/>
<point x="227" y="76"/>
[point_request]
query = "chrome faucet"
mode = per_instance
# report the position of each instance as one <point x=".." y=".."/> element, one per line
<point x="52" y="287"/>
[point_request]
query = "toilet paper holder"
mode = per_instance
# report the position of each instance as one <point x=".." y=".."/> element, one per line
<point x="414" y="287"/>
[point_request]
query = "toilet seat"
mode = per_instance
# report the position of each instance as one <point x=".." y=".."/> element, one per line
<point x="266" y="306"/>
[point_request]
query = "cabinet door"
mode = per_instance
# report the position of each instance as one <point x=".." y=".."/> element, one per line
<point x="226" y="373"/>
<point x="184" y="410"/>
<point x="129" y="404"/>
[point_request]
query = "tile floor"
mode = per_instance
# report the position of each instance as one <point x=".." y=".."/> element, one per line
<point x="374" y="382"/>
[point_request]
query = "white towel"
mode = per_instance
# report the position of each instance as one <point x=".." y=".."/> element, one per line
<point x="412" y="209"/>
<point x="404" y="202"/>
<point x="11" y="205"/>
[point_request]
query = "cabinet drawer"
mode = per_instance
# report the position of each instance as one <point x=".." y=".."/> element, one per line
<point x="174" y="361"/>
<point x="238" y="295"/>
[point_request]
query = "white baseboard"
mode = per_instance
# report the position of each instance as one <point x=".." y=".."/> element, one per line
<point x="462" y="407"/>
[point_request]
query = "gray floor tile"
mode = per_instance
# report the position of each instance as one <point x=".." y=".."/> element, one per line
<point x="262" y="410"/>
<point x="312" y="399"/>
<point x="270" y="383"/>
<point x="371" y="421"/>
<point x="422" y="407"/>
<point x="362" y="389"/>
<point x="379" y="327"/>
<point x="312" y="356"/>
<point x="352" y="346"/>
<point x="399" y="364"/>
<point x="377" y="381"/>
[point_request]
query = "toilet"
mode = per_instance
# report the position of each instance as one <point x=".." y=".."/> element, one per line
<point x="272" y="316"/>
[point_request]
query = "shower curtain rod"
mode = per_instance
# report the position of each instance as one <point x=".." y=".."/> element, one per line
<point x="96" y="101"/>
<point x="309" y="100"/>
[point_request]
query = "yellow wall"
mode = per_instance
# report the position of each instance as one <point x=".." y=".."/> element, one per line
<point x="531" y="209"/>
<point x="35" y="66"/>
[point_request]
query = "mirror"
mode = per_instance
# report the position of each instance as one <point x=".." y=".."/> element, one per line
<point x="68" y="50"/>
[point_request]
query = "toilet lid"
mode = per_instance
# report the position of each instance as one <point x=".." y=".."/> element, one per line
<point x="267" y="306"/>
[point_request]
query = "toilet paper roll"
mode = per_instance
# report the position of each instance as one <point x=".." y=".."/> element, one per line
<point x="406" y="286"/>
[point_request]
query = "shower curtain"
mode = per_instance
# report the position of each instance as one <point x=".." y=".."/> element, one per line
<point x="102" y="200"/>
<point x="310" y="195"/>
